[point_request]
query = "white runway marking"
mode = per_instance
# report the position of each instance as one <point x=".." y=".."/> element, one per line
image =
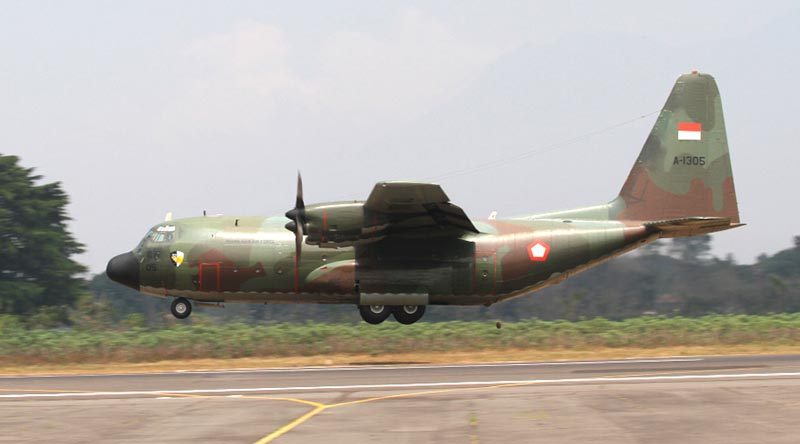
<point x="412" y="385"/>
<point x="365" y="367"/>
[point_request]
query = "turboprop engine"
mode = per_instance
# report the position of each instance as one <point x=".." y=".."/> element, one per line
<point x="333" y="225"/>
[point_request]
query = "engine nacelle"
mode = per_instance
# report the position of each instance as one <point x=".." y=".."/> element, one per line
<point x="336" y="224"/>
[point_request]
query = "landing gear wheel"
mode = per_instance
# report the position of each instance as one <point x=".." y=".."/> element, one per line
<point x="181" y="308"/>
<point x="374" y="314"/>
<point x="408" y="314"/>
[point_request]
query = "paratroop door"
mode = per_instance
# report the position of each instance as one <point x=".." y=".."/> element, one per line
<point x="209" y="277"/>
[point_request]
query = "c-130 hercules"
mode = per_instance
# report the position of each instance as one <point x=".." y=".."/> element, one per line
<point x="407" y="246"/>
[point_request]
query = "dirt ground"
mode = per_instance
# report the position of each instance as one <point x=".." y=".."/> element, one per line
<point x="405" y="358"/>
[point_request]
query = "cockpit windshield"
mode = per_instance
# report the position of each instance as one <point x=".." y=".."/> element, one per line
<point x="161" y="234"/>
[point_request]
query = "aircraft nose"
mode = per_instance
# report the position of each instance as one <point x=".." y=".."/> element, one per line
<point x="124" y="269"/>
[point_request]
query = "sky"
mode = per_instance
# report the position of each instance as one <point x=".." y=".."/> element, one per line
<point x="143" y="108"/>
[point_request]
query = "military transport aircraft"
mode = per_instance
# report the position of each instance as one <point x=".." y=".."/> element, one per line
<point x="407" y="246"/>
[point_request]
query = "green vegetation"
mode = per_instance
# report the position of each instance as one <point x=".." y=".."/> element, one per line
<point x="19" y="345"/>
<point x="37" y="276"/>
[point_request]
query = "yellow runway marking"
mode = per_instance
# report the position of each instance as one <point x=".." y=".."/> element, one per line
<point x="427" y="392"/>
<point x="322" y="407"/>
<point x="288" y="427"/>
<point x="297" y="400"/>
<point x="258" y="398"/>
<point x="318" y="407"/>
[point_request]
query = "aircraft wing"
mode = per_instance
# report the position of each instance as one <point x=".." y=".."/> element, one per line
<point x="413" y="209"/>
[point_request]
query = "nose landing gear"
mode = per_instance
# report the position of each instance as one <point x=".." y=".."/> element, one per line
<point x="181" y="308"/>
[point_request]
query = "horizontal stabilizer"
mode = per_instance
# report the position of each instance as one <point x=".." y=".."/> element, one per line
<point x="690" y="226"/>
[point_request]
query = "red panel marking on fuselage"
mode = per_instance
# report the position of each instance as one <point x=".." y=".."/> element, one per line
<point x="201" y="270"/>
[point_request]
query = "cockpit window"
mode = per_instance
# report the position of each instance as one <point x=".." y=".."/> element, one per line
<point x="162" y="234"/>
<point x="161" y="237"/>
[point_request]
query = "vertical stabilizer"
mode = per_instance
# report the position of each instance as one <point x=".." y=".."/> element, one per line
<point x="684" y="169"/>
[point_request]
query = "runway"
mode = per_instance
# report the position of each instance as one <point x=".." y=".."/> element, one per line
<point x="682" y="399"/>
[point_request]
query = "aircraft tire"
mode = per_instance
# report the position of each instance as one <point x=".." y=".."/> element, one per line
<point x="374" y="314"/>
<point x="408" y="314"/>
<point x="181" y="308"/>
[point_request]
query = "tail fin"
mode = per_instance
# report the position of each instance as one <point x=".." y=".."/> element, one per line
<point x="684" y="169"/>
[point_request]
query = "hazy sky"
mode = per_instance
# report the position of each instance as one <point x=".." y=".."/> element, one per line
<point x="141" y="108"/>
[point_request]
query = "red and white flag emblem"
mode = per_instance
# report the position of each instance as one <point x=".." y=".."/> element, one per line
<point x="689" y="131"/>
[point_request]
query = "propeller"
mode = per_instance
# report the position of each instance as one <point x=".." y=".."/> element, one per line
<point x="297" y="216"/>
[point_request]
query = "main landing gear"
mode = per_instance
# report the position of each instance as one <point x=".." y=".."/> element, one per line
<point x="404" y="314"/>
<point x="181" y="308"/>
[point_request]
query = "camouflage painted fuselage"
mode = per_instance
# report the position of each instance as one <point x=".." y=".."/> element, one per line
<point x="253" y="260"/>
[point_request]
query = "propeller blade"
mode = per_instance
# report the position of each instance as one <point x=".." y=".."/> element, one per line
<point x="297" y="214"/>
<point x="298" y="239"/>
<point x="299" y="204"/>
<point x="298" y="249"/>
<point x="296" y="223"/>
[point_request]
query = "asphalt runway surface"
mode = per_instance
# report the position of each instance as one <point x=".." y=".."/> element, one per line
<point x="742" y="399"/>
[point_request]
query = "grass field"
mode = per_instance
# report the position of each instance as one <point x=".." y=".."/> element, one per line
<point x="293" y="342"/>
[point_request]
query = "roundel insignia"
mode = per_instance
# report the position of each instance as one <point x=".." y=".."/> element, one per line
<point x="538" y="251"/>
<point x="176" y="257"/>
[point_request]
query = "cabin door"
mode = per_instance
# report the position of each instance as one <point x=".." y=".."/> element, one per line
<point x="209" y="277"/>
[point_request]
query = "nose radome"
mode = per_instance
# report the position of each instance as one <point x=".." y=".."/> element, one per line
<point x="124" y="269"/>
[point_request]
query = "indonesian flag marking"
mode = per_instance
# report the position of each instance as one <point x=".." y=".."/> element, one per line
<point x="689" y="131"/>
